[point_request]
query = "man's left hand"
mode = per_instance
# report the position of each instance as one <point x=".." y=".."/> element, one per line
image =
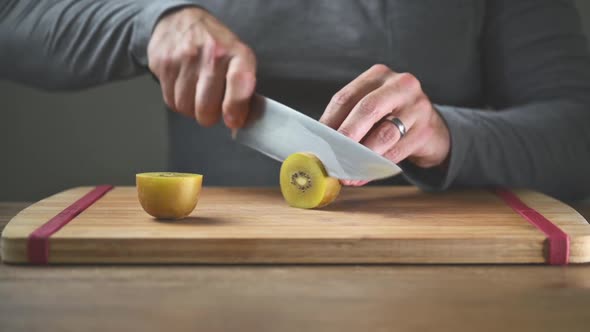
<point x="361" y="110"/>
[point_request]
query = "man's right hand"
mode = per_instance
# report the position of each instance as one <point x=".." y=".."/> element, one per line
<point x="204" y="69"/>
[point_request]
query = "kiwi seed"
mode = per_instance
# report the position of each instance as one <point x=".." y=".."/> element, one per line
<point x="301" y="180"/>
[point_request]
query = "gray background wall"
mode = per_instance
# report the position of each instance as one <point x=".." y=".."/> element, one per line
<point x="50" y="142"/>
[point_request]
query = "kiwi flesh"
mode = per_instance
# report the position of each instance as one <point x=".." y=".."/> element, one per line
<point x="305" y="183"/>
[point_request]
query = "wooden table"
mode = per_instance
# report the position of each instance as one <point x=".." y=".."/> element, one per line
<point x="293" y="298"/>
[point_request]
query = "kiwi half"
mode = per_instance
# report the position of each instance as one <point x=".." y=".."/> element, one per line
<point x="167" y="195"/>
<point x="305" y="183"/>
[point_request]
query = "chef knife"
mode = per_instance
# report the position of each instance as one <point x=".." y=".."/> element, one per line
<point x="278" y="131"/>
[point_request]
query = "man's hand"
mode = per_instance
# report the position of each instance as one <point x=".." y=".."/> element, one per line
<point x="358" y="111"/>
<point x="204" y="69"/>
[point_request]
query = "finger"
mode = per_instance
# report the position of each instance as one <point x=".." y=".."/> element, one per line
<point x="354" y="183"/>
<point x="345" y="100"/>
<point x="167" y="72"/>
<point x="385" y="134"/>
<point x="163" y="66"/>
<point x="211" y="84"/>
<point x="399" y="90"/>
<point x="409" y="144"/>
<point x="184" y="89"/>
<point x="372" y="108"/>
<point x="240" y="85"/>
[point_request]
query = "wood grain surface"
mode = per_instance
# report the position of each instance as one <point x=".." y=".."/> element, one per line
<point x="245" y="225"/>
<point x="294" y="297"/>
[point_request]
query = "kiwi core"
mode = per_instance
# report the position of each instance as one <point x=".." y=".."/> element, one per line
<point x="301" y="180"/>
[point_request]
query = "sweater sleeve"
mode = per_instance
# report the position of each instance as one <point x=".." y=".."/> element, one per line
<point x="74" y="44"/>
<point x="536" y="131"/>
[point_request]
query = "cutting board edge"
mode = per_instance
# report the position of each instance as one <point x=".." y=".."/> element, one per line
<point x="579" y="249"/>
<point x="14" y="251"/>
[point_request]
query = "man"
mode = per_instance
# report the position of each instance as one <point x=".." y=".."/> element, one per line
<point x="460" y="93"/>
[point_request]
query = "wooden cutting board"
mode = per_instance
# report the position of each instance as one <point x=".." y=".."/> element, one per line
<point x="247" y="225"/>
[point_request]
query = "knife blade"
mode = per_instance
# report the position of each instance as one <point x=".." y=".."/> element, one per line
<point x="278" y="131"/>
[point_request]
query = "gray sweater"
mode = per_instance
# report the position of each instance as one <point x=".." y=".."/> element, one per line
<point x="511" y="78"/>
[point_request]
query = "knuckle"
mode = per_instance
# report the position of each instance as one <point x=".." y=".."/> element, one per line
<point x="187" y="51"/>
<point x="423" y="104"/>
<point x="424" y="109"/>
<point x="216" y="48"/>
<point x="409" y="81"/>
<point x="342" y="97"/>
<point x="244" y="52"/>
<point x="184" y="50"/>
<point x="368" y="106"/>
<point x="212" y="42"/>
<point x="345" y="131"/>
<point x="243" y="49"/>
<point x="387" y="134"/>
<point x="160" y="62"/>
<point x="395" y="153"/>
<point x="380" y="68"/>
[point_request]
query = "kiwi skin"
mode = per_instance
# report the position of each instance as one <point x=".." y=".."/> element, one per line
<point x="168" y="196"/>
<point x="319" y="176"/>
<point x="332" y="191"/>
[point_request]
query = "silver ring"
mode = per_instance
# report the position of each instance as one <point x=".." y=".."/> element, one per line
<point x="400" y="126"/>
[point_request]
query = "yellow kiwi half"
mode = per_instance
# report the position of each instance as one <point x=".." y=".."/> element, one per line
<point x="305" y="183"/>
<point x="168" y="195"/>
